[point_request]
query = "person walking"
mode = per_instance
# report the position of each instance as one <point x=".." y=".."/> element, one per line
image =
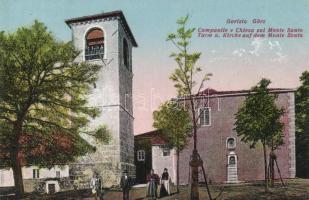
<point x="125" y="184"/>
<point x="153" y="181"/>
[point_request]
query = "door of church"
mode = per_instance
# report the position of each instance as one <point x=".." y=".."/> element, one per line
<point x="232" y="176"/>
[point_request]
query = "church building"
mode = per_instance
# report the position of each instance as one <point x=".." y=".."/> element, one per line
<point x="226" y="158"/>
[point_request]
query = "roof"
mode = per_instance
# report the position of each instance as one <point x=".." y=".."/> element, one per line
<point x="117" y="13"/>
<point x="209" y="92"/>
<point x="148" y="134"/>
<point x="155" y="137"/>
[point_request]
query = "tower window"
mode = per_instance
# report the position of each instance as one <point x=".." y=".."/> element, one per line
<point x="94" y="44"/>
<point x="125" y="54"/>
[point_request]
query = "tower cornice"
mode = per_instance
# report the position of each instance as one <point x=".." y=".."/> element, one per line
<point x="107" y="16"/>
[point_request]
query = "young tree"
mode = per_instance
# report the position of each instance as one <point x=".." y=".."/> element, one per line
<point x="184" y="77"/>
<point x="176" y="125"/>
<point x="43" y="106"/>
<point x="258" y="120"/>
<point x="302" y="126"/>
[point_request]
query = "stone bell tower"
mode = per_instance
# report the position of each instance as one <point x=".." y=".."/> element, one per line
<point x="106" y="39"/>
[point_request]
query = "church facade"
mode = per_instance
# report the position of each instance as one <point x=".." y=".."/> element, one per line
<point x="106" y="39"/>
<point x="226" y="158"/>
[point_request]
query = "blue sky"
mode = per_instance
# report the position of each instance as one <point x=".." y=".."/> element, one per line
<point x="235" y="63"/>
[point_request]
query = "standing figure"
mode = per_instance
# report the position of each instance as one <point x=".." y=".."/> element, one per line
<point x="165" y="184"/>
<point x="153" y="181"/>
<point x="125" y="184"/>
<point x="95" y="185"/>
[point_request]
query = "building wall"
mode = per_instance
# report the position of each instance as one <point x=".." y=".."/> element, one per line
<point x="142" y="167"/>
<point x="211" y="144"/>
<point x="110" y="95"/>
<point x="126" y="113"/>
<point x="159" y="162"/>
<point x="7" y="178"/>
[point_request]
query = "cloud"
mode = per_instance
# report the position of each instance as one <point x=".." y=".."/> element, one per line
<point x="239" y="52"/>
<point x="262" y="47"/>
<point x="279" y="57"/>
<point x="257" y="44"/>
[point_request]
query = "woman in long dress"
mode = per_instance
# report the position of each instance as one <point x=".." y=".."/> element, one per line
<point x="153" y="181"/>
<point x="165" y="184"/>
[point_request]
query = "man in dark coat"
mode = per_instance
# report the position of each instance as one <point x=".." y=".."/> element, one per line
<point x="98" y="187"/>
<point x="125" y="185"/>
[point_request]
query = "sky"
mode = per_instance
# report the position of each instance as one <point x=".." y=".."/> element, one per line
<point x="235" y="63"/>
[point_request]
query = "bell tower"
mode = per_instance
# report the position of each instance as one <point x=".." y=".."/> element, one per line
<point x="106" y="39"/>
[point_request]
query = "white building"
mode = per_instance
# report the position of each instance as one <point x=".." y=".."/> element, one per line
<point x="30" y="173"/>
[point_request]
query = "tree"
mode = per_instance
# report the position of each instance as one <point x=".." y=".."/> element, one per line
<point x="258" y="120"/>
<point x="175" y="123"/>
<point x="43" y="106"/>
<point x="302" y="126"/>
<point x="184" y="77"/>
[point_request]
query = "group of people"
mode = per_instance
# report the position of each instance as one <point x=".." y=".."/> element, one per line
<point x="153" y="183"/>
<point x="126" y="183"/>
<point x="96" y="185"/>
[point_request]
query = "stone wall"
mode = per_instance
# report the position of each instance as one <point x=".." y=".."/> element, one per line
<point x="113" y="95"/>
<point x="291" y="116"/>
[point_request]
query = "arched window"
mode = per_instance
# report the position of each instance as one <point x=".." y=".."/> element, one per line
<point x="94" y="44"/>
<point x="125" y="54"/>
<point x="232" y="160"/>
<point x="231" y="143"/>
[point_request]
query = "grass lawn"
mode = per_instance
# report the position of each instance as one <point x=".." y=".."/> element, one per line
<point x="297" y="189"/>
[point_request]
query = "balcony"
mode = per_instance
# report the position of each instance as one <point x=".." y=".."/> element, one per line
<point x="94" y="52"/>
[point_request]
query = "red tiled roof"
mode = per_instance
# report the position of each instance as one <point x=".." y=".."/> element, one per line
<point x="148" y="134"/>
<point x="155" y="137"/>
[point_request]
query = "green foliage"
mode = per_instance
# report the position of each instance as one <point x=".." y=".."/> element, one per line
<point x="175" y="124"/>
<point x="43" y="92"/>
<point x="302" y="126"/>
<point x="258" y="119"/>
<point x="184" y="74"/>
